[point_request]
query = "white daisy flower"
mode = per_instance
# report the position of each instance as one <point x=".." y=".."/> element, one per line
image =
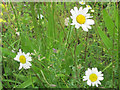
<point x="93" y="77"/>
<point x="23" y="59"/>
<point x="82" y="2"/>
<point x="88" y="6"/>
<point x="80" y="18"/>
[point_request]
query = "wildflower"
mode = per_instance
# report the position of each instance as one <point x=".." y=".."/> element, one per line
<point x="88" y="6"/>
<point x="82" y="2"/>
<point x="93" y="77"/>
<point x="92" y="10"/>
<point x="54" y="50"/>
<point x="66" y="21"/>
<point x="18" y="33"/>
<point x="41" y="16"/>
<point x="80" y="18"/>
<point x="23" y="59"/>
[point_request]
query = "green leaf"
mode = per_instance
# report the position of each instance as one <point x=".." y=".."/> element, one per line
<point x="27" y="83"/>
<point x="79" y="48"/>
<point x="1" y="86"/>
<point x="105" y="39"/>
<point x="108" y="23"/>
<point x="21" y="77"/>
<point x="6" y="51"/>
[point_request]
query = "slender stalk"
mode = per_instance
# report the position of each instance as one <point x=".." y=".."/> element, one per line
<point x="113" y="56"/>
<point x="118" y="47"/>
<point x="75" y="57"/>
<point x="38" y="78"/>
<point x="86" y="47"/>
<point x="17" y="77"/>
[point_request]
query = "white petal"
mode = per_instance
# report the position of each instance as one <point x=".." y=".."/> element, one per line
<point x="100" y="78"/>
<point x="80" y="9"/>
<point x="20" y="66"/>
<point x="96" y="85"/>
<point x="99" y="82"/>
<point x="27" y="65"/>
<point x="85" y="10"/>
<point x="84" y="78"/>
<point x="29" y="59"/>
<point x="89" y="27"/>
<point x="28" y="54"/>
<point x="90" y="22"/>
<point x="20" y="50"/>
<point x="72" y="12"/>
<point x="94" y="70"/>
<point x="88" y="16"/>
<point x="72" y="24"/>
<point x="77" y="25"/>
<point x="93" y="83"/>
<point x="89" y="82"/>
<point x="17" y="58"/>
<point x="84" y="28"/>
<point x="76" y="10"/>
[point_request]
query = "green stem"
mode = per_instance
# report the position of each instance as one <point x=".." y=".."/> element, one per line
<point x="86" y="47"/>
<point x="113" y="55"/>
<point x="17" y="78"/>
<point x="38" y="78"/>
<point x="75" y="57"/>
<point x="107" y="67"/>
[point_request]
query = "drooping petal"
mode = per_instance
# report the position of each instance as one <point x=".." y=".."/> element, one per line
<point x="90" y="22"/>
<point x="84" y="28"/>
<point x="17" y="58"/>
<point x="76" y="10"/>
<point x="89" y="82"/>
<point x="20" y="66"/>
<point x="100" y="78"/>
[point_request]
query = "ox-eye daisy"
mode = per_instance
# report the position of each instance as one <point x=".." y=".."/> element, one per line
<point x="23" y="59"/>
<point x="81" y="18"/>
<point x="93" y="77"/>
<point x="82" y="2"/>
<point x="88" y="6"/>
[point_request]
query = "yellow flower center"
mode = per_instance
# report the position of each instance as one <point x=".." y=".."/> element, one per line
<point x="22" y="59"/>
<point x="82" y="3"/>
<point x="80" y="19"/>
<point x="93" y="77"/>
<point x="88" y="6"/>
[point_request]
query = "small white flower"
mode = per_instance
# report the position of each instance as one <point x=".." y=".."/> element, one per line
<point x="92" y="10"/>
<point x="81" y="18"/>
<point x="18" y="33"/>
<point x="88" y="6"/>
<point x="82" y="2"/>
<point x="41" y="16"/>
<point x="23" y="59"/>
<point x="66" y="21"/>
<point x="93" y="77"/>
